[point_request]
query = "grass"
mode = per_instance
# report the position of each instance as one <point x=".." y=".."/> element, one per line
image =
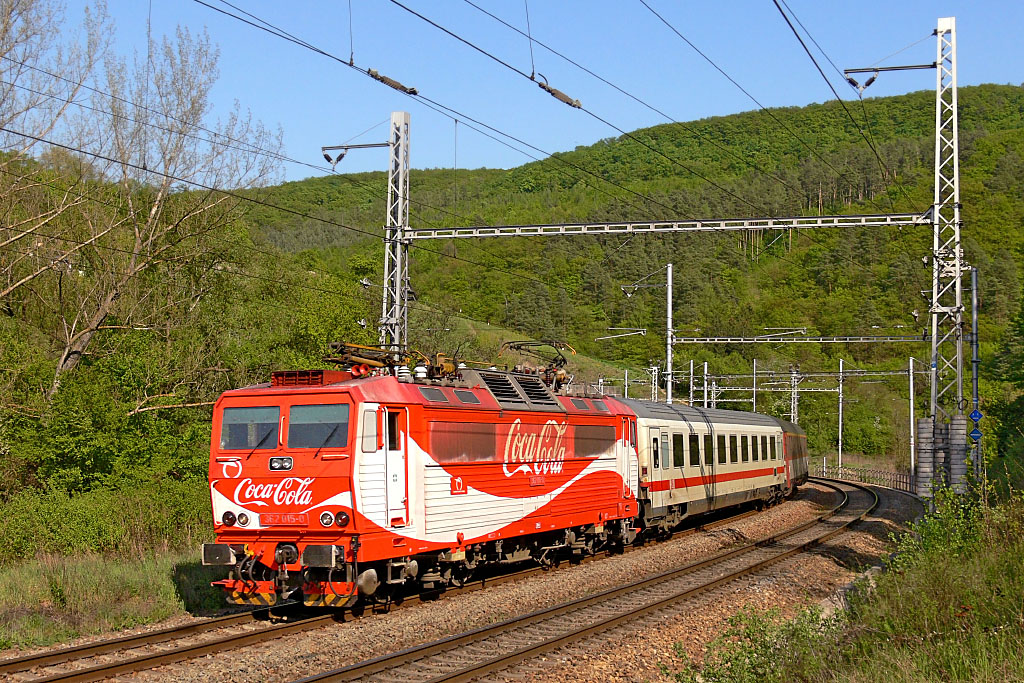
<point x="55" y="598"/>
<point x="950" y="608"/>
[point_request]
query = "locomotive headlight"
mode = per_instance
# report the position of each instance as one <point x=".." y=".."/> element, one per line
<point x="280" y="463"/>
<point x="326" y="518"/>
<point x="342" y="519"/>
<point x="275" y="463"/>
<point x="243" y="519"/>
<point x="228" y="518"/>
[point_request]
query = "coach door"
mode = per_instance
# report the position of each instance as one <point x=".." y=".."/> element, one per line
<point x="396" y="441"/>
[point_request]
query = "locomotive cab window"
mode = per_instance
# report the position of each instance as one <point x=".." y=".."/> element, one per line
<point x="694" y="450"/>
<point x="318" y="426"/>
<point x="250" y="428"/>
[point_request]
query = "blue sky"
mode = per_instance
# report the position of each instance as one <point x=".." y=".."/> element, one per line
<point x="317" y="101"/>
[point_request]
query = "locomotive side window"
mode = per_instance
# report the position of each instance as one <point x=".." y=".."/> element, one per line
<point x="369" y="431"/>
<point x="632" y="433"/>
<point x="252" y="428"/>
<point x="458" y="442"/>
<point x="654" y="452"/>
<point x="678" y="454"/>
<point x="709" y="450"/>
<point x="745" y="449"/>
<point x="599" y="405"/>
<point x="694" y="450"/>
<point x="466" y="396"/>
<point x="721" y="449"/>
<point x="579" y="403"/>
<point x="734" y="453"/>
<point x="318" y="426"/>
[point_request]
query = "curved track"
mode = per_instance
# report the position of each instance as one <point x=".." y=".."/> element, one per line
<point x="169" y="645"/>
<point x="492" y="648"/>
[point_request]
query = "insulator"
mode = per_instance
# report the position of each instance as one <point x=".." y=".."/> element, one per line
<point x="853" y="82"/>
<point x="871" y="80"/>
<point x="390" y="82"/>
<point x="558" y="94"/>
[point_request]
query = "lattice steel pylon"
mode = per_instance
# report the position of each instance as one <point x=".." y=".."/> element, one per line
<point x="394" y="324"/>
<point x="947" y="256"/>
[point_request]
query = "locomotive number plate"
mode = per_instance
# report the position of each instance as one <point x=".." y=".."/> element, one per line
<point x="283" y="519"/>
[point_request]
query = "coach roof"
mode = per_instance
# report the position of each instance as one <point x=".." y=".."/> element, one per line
<point x="681" y="411"/>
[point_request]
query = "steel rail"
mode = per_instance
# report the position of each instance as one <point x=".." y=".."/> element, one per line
<point x="393" y="661"/>
<point x="52" y="658"/>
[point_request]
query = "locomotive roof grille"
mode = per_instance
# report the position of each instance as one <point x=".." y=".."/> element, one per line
<point x="536" y="391"/>
<point x="503" y="389"/>
<point x="520" y="392"/>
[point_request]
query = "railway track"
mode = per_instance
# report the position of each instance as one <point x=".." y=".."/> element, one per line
<point x="139" y="652"/>
<point x="483" y="651"/>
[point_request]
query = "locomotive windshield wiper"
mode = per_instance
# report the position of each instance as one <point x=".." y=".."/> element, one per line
<point x="336" y="425"/>
<point x="260" y="442"/>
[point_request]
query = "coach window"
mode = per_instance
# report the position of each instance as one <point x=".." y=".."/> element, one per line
<point x="734" y="452"/>
<point x="694" y="450"/>
<point x="753" y="447"/>
<point x="764" y="448"/>
<point x="774" y="452"/>
<point x="666" y="454"/>
<point x="721" y="449"/>
<point x="678" y="454"/>
<point x="654" y="453"/>
<point x="745" y="449"/>
<point x="709" y="450"/>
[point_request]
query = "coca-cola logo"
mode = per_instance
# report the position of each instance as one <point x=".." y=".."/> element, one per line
<point x="290" y="491"/>
<point x="535" y="449"/>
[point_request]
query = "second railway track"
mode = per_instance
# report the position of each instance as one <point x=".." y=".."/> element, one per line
<point x="483" y="651"/>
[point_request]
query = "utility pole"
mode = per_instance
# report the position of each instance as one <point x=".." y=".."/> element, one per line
<point x="655" y="373"/>
<point x="840" y="417"/>
<point x="794" y="396"/>
<point x="394" y="330"/>
<point x="705" y="394"/>
<point x="910" y="373"/>
<point x="394" y="322"/>
<point x="691" y="381"/>
<point x="753" y="401"/>
<point x="668" y="339"/>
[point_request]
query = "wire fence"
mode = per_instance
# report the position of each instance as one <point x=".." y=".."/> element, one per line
<point x="902" y="481"/>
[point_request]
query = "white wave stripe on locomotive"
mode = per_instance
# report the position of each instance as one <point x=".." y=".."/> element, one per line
<point x="477" y="513"/>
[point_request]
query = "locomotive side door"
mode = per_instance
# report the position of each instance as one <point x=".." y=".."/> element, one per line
<point x="627" y="460"/>
<point x="396" y="471"/>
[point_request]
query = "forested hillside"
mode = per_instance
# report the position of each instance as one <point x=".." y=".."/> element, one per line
<point x="257" y="288"/>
